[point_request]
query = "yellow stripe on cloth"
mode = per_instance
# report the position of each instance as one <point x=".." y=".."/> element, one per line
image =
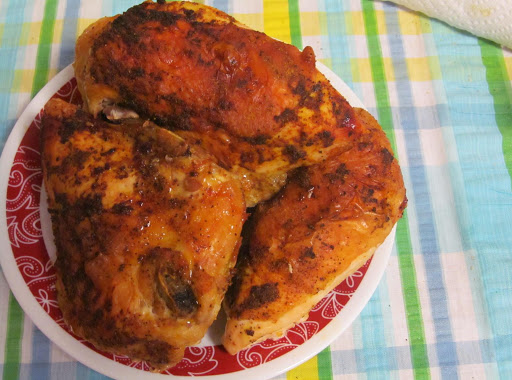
<point x="83" y="23"/>
<point x="22" y="80"/>
<point x="252" y="20"/>
<point x="508" y="64"/>
<point x="410" y="23"/>
<point x="276" y="19"/>
<point x="306" y="371"/>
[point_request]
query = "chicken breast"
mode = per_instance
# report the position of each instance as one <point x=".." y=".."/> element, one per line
<point x="258" y="105"/>
<point x="323" y="226"/>
<point x="147" y="230"/>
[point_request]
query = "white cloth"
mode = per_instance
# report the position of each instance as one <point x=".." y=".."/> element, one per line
<point x="491" y="19"/>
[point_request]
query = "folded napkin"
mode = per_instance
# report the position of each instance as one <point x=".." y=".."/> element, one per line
<point x="491" y="19"/>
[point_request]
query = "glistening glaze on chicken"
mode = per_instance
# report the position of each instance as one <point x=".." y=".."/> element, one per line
<point x="147" y="231"/>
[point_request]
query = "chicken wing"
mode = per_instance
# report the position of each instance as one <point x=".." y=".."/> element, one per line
<point x="324" y="225"/>
<point x="259" y="105"/>
<point x="147" y="230"/>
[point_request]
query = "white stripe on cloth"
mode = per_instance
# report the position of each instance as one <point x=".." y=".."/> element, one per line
<point x="396" y="308"/>
<point x="460" y="300"/>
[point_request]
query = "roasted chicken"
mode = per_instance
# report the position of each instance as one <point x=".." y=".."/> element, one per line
<point x="258" y="105"/>
<point x="323" y="226"/>
<point x="323" y="178"/>
<point x="147" y="230"/>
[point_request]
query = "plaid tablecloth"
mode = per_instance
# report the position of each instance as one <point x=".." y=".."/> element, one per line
<point x="444" y="306"/>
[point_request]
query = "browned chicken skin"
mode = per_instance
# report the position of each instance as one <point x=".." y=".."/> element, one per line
<point x="265" y="113"/>
<point x="147" y="231"/>
<point x="320" y="228"/>
<point x="260" y="105"/>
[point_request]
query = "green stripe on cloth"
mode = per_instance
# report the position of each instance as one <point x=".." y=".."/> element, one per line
<point x="414" y="317"/>
<point x="13" y="340"/>
<point x="44" y="49"/>
<point x="324" y="364"/>
<point x="378" y="74"/>
<point x="415" y="323"/>
<point x="276" y="19"/>
<point x="295" y="30"/>
<point x="501" y="92"/>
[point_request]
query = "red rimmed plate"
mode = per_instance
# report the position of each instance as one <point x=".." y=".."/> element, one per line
<point x="28" y="253"/>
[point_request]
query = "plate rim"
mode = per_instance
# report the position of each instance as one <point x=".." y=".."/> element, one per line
<point x="108" y="367"/>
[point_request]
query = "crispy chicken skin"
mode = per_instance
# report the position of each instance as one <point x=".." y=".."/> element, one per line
<point x="320" y="228"/>
<point x="147" y="231"/>
<point x="259" y="105"/>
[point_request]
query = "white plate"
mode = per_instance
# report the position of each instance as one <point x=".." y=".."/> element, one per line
<point x="25" y="239"/>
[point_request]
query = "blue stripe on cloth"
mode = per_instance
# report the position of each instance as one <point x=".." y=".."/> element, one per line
<point x="487" y="185"/>
<point x="223" y="5"/>
<point x="67" y="47"/>
<point x="376" y="360"/>
<point x="10" y="41"/>
<point x="85" y="373"/>
<point x="40" y="369"/>
<point x="111" y="7"/>
<point x="62" y="370"/>
<point x="445" y="347"/>
<point x="118" y="6"/>
<point x="343" y="360"/>
<point x="428" y="117"/>
<point x="3" y="12"/>
<point x="338" y="42"/>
